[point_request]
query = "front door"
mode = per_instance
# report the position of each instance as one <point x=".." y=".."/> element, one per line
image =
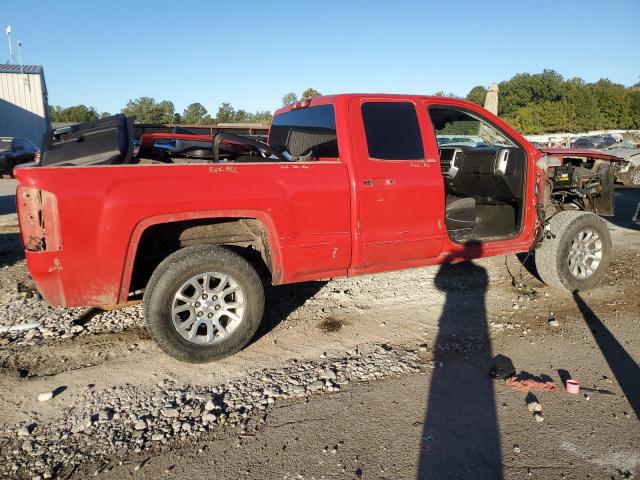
<point x="399" y="184"/>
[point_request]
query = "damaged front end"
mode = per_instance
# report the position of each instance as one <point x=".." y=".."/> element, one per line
<point x="579" y="180"/>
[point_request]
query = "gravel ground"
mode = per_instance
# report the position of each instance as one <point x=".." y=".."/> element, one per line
<point x="128" y="418"/>
<point x="357" y="355"/>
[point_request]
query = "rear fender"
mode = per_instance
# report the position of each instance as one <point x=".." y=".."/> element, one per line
<point x="262" y="217"/>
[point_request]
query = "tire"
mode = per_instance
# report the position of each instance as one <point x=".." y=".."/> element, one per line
<point x="552" y="257"/>
<point x="175" y="275"/>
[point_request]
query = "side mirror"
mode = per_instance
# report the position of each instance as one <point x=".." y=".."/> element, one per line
<point x="501" y="162"/>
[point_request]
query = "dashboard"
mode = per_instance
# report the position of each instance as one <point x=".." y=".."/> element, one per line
<point x="491" y="171"/>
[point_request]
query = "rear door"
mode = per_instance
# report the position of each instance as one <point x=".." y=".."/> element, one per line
<point x="398" y="181"/>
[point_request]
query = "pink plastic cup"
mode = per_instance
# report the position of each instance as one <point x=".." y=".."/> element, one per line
<point x="573" y="386"/>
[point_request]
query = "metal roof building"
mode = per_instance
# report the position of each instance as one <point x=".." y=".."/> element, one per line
<point x="24" y="110"/>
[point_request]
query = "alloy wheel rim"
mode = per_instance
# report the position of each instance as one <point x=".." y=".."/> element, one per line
<point x="208" y="308"/>
<point x="585" y="254"/>
<point x="635" y="177"/>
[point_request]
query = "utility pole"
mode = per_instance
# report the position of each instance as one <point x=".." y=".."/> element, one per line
<point x="11" y="59"/>
<point x="25" y="78"/>
<point x="20" y="56"/>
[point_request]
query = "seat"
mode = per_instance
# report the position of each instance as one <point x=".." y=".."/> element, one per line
<point x="460" y="216"/>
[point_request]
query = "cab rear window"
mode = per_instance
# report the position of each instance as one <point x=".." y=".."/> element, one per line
<point x="306" y="132"/>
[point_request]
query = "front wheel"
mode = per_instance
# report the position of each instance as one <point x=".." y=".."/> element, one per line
<point x="578" y="254"/>
<point x="203" y="303"/>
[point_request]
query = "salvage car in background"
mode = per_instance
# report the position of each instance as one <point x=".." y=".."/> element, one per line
<point x="628" y="172"/>
<point x="15" y="151"/>
<point x="594" y="141"/>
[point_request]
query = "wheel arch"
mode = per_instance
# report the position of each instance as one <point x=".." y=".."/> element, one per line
<point x="190" y="228"/>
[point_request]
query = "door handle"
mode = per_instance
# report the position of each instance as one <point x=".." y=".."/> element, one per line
<point x="370" y="182"/>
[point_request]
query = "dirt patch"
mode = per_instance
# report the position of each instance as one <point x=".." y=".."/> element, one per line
<point x="331" y="325"/>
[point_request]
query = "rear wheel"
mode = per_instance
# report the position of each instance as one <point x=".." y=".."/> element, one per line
<point x="577" y="256"/>
<point x="203" y="303"/>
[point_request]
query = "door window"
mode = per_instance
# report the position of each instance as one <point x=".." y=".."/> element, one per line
<point x="456" y="127"/>
<point x="392" y="131"/>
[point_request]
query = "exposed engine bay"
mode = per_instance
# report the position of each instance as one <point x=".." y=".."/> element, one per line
<point x="578" y="183"/>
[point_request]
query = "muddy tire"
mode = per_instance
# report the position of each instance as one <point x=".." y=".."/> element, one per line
<point x="578" y="255"/>
<point x="203" y="303"/>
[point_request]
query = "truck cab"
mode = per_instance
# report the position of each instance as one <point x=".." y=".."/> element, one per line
<point x="429" y="176"/>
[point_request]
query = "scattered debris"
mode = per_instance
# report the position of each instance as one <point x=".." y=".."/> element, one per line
<point x="525" y="383"/>
<point x="45" y="397"/>
<point x="553" y="322"/>
<point x="502" y="368"/>
<point x="534" y="407"/>
<point x="20" y="327"/>
<point x="572" y="386"/>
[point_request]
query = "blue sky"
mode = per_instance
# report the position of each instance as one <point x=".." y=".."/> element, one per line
<point x="251" y="53"/>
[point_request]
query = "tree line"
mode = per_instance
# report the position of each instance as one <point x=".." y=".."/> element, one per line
<point x="547" y="103"/>
<point x="532" y="103"/>
<point x="148" y="110"/>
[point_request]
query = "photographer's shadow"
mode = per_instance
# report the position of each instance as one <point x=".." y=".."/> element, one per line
<point x="460" y="437"/>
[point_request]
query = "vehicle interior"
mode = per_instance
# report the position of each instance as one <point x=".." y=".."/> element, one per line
<point x="484" y="175"/>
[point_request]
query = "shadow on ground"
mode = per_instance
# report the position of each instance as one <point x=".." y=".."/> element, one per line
<point x="460" y="437"/>
<point x="10" y="247"/>
<point x="626" y="204"/>
<point x="281" y="301"/>
<point x="7" y="204"/>
<point x="624" y="368"/>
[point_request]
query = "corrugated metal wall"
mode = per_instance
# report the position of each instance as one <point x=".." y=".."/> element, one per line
<point x="23" y="106"/>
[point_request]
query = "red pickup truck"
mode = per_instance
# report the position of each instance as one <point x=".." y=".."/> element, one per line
<point x="345" y="185"/>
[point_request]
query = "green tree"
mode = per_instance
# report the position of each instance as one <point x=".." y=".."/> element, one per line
<point x="147" y="110"/>
<point x="524" y="89"/>
<point x="289" y="98"/>
<point x="105" y="115"/>
<point x="477" y="94"/>
<point x="310" y="93"/>
<point x="263" y="117"/>
<point x="441" y="93"/>
<point x="74" y="114"/>
<point x="226" y="113"/>
<point x="634" y="108"/>
<point x="196" y="114"/>
<point x="612" y="103"/>
<point x="547" y="103"/>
